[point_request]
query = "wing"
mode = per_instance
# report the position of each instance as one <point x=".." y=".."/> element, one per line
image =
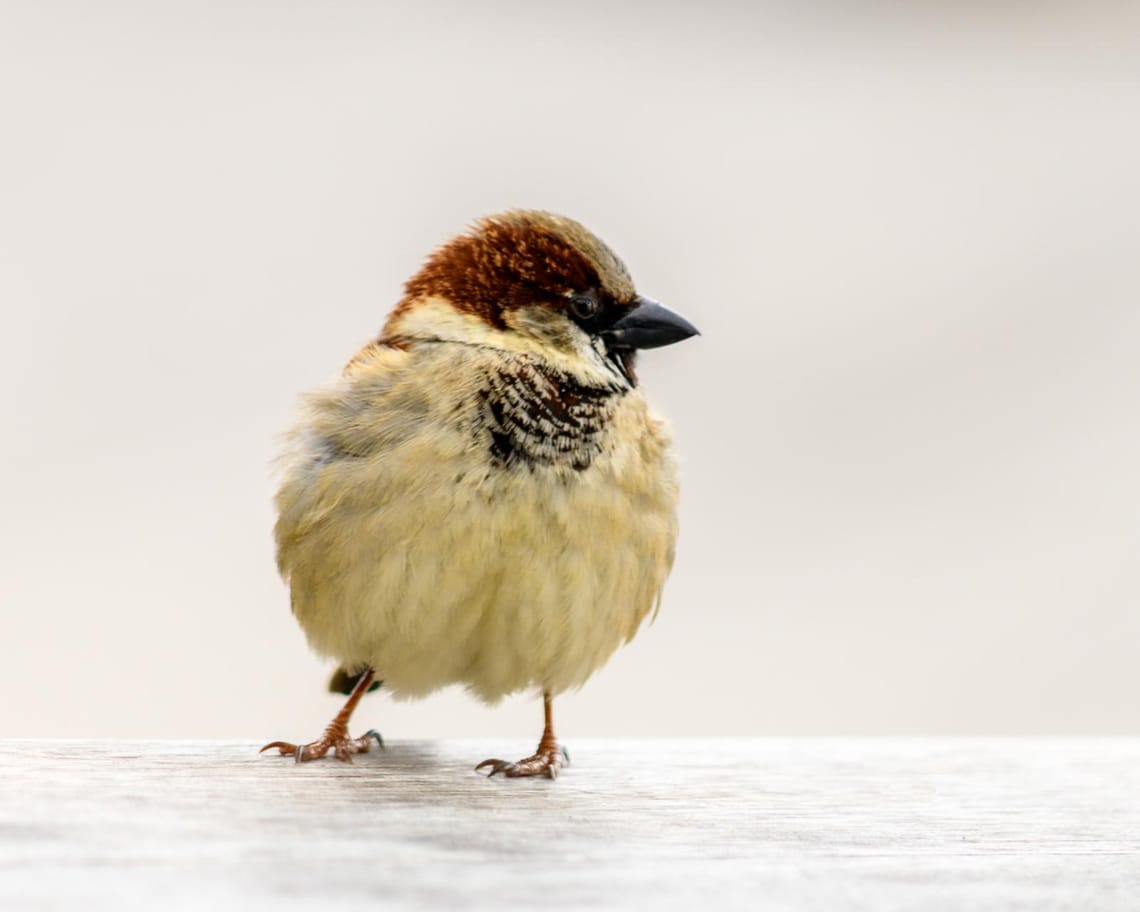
<point x="372" y="409"/>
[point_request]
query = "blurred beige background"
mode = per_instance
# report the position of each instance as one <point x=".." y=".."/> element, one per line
<point x="911" y="429"/>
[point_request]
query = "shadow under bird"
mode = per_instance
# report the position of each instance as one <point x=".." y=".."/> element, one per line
<point x="484" y="496"/>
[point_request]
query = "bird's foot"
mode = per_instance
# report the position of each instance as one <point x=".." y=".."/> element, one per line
<point x="547" y="761"/>
<point x="335" y="739"/>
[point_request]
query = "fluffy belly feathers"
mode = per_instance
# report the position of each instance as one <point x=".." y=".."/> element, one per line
<point x="424" y="558"/>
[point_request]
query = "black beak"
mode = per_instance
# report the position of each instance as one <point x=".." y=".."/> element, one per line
<point x="648" y="325"/>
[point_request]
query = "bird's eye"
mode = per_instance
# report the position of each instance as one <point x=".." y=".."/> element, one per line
<point x="584" y="306"/>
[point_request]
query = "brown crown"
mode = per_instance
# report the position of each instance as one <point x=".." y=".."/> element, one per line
<point x="515" y="259"/>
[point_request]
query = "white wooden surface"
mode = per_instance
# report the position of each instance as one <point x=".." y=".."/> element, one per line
<point x="776" y="824"/>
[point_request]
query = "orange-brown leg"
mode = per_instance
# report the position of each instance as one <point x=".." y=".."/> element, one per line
<point x="336" y="736"/>
<point x="547" y="761"/>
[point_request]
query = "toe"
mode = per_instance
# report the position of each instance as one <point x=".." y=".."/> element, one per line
<point x="283" y="746"/>
<point x="497" y="766"/>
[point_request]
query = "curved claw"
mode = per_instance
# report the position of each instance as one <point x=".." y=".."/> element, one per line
<point x="372" y="733"/>
<point x="284" y="746"/>
<point x="497" y="766"/>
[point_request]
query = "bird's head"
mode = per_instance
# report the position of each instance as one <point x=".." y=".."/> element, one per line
<point x="537" y="283"/>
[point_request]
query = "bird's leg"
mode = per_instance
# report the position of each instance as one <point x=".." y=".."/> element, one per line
<point x="336" y="736"/>
<point x="547" y="761"/>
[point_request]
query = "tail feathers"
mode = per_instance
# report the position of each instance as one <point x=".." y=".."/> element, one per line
<point x="342" y="681"/>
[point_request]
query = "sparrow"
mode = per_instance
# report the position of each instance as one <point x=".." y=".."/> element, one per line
<point x="484" y="497"/>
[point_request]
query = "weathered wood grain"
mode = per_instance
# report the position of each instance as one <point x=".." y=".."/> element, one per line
<point x="780" y="824"/>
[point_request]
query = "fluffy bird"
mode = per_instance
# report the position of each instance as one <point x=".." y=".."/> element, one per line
<point x="484" y="496"/>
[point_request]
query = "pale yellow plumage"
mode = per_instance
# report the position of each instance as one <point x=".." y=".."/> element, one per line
<point x="406" y="552"/>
